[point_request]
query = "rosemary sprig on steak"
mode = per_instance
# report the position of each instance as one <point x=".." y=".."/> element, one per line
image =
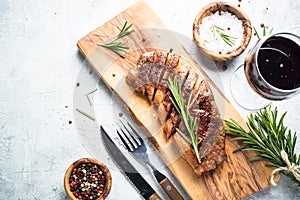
<point x="119" y="47"/>
<point x="189" y="121"/>
<point x="271" y="139"/>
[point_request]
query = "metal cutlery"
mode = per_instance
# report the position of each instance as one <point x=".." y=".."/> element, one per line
<point x="128" y="170"/>
<point x="135" y="144"/>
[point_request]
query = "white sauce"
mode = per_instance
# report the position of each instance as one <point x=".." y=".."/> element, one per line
<point x="211" y="39"/>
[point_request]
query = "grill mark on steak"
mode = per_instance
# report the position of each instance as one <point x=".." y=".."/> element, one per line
<point x="162" y="86"/>
<point x="173" y="119"/>
<point x="138" y="78"/>
<point x="162" y="57"/>
<point x="158" y="71"/>
<point x="148" y="57"/>
<point x="172" y="60"/>
<point x="188" y="86"/>
<point x="196" y="92"/>
<point x="163" y="94"/>
<point x="154" y="78"/>
<point x="202" y="105"/>
<point x="164" y="108"/>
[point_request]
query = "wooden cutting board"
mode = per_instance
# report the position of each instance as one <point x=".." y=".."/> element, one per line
<point x="236" y="177"/>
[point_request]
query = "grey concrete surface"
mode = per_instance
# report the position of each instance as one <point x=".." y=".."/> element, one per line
<point x="40" y="67"/>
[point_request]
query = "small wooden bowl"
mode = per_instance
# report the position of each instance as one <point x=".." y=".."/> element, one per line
<point x="103" y="168"/>
<point x="226" y="7"/>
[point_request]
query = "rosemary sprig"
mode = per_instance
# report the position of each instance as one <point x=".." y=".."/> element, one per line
<point x="268" y="136"/>
<point x="226" y="38"/>
<point x="125" y="30"/>
<point x="190" y="122"/>
<point x="119" y="47"/>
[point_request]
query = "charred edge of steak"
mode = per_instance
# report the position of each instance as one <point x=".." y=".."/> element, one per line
<point x="189" y="83"/>
<point x="138" y="78"/>
<point x="214" y="158"/>
<point x="210" y="125"/>
<point x="173" y="121"/>
<point x="162" y="86"/>
<point x="173" y="59"/>
<point x="162" y="57"/>
<point x="164" y="108"/>
<point x="154" y="78"/>
<point x="149" y="57"/>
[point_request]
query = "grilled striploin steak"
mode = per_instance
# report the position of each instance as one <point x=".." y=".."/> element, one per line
<point x="150" y="78"/>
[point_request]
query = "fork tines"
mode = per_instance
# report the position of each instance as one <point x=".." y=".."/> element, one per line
<point x="128" y="135"/>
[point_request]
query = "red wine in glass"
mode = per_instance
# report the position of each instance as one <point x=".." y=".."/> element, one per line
<point x="272" y="67"/>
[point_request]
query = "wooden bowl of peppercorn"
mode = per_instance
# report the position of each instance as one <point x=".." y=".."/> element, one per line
<point x="87" y="178"/>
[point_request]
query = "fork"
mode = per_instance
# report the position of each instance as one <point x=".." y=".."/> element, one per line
<point x="136" y="146"/>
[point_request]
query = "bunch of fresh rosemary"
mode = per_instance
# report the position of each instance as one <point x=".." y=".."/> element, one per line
<point x="119" y="47"/>
<point x="271" y="139"/>
<point x="226" y="38"/>
<point x="189" y="121"/>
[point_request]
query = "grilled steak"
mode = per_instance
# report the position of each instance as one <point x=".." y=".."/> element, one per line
<point x="150" y="78"/>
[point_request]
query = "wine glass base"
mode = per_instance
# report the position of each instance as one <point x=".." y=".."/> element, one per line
<point x="243" y="94"/>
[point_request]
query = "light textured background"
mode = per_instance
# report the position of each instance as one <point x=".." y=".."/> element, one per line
<point x="40" y="65"/>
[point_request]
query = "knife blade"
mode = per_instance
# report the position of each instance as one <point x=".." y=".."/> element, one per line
<point x="128" y="170"/>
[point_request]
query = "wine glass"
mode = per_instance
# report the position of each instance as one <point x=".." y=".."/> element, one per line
<point x="272" y="69"/>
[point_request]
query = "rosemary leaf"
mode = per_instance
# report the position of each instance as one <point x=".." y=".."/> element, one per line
<point x="256" y="33"/>
<point x="257" y="159"/>
<point x="91" y="92"/>
<point x="85" y="114"/>
<point x="87" y="96"/>
<point x="264" y="31"/>
<point x="238" y="149"/>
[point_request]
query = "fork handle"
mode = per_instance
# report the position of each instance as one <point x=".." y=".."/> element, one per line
<point x="167" y="186"/>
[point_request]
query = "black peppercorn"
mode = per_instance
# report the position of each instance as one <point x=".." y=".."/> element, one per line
<point x="87" y="181"/>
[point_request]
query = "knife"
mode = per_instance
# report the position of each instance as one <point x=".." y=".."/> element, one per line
<point x="130" y="172"/>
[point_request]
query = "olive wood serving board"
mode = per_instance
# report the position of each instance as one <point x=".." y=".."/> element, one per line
<point x="237" y="177"/>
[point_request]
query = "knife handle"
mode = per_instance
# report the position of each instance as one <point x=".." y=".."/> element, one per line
<point x="170" y="189"/>
<point x="155" y="196"/>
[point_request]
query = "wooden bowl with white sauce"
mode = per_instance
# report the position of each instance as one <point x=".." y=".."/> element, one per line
<point x="222" y="31"/>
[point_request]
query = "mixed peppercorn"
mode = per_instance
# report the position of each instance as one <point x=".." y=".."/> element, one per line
<point x="87" y="181"/>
